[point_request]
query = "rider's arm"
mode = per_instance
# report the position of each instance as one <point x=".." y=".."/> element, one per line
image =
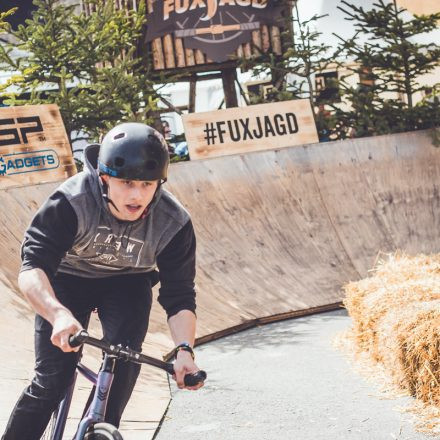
<point x="183" y="327"/>
<point x="37" y="289"/>
<point x="176" y="264"/>
<point x="177" y="270"/>
<point x="49" y="236"/>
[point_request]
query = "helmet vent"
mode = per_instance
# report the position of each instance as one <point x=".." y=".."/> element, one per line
<point x="119" y="161"/>
<point x="151" y="165"/>
<point x="119" y="136"/>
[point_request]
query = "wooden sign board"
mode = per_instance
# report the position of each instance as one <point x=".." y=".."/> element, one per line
<point x="186" y="34"/>
<point x="34" y="147"/>
<point x="253" y="128"/>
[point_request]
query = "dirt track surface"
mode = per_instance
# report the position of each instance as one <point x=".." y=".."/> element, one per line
<point x="284" y="381"/>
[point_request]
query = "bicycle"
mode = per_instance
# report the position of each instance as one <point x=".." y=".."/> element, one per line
<point x="92" y="425"/>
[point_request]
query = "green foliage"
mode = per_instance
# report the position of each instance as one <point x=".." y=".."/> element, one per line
<point x="432" y="103"/>
<point x="175" y="158"/>
<point x="4" y="25"/>
<point x="391" y="61"/>
<point x="292" y="73"/>
<point x="4" y="28"/>
<point x="88" y="65"/>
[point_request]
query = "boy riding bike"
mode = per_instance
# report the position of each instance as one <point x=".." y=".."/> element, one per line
<point x="95" y="244"/>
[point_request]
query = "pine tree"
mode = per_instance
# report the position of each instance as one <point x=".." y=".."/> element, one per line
<point x="392" y="62"/>
<point x="293" y="72"/>
<point x="87" y="64"/>
<point x="4" y="25"/>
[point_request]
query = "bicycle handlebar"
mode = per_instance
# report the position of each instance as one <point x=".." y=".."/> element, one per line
<point x="126" y="353"/>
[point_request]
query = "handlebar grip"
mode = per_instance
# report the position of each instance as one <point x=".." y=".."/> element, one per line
<point x="78" y="339"/>
<point x="194" y="379"/>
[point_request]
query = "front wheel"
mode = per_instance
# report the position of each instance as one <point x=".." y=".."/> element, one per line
<point x="103" y="431"/>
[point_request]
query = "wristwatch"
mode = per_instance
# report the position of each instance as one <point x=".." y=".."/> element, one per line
<point x="185" y="347"/>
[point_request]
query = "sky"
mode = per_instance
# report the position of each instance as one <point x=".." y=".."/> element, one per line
<point x="335" y="22"/>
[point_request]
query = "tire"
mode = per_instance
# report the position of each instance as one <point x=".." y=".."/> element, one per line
<point x="103" y="431"/>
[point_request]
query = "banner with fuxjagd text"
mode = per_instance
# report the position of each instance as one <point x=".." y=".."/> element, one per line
<point x="252" y="128"/>
<point x="216" y="27"/>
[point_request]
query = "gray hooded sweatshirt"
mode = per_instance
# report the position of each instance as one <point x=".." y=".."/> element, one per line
<point x="75" y="233"/>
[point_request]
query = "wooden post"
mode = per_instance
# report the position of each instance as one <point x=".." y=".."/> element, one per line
<point x="276" y="40"/>
<point x="192" y="95"/>
<point x="228" y="78"/>
<point x="180" y="52"/>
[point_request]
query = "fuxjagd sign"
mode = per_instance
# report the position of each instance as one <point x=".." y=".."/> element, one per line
<point x="33" y="146"/>
<point x="216" y="27"/>
<point x="259" y="127"/>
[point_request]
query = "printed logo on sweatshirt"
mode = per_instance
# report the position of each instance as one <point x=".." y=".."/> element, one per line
<point x="28" y="162"/>
<point x="114" y="250"/>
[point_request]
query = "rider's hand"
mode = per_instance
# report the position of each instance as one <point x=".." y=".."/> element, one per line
<point x="64" y="326"/>
<point x="185" y="365"/>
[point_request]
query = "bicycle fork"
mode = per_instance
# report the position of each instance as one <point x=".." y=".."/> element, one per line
<point x="97" y="408"/>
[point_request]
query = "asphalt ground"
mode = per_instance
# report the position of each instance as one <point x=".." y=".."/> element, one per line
<point x="285" y="381"/>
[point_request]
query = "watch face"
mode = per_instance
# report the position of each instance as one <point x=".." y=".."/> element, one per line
<point x="215" y="27"/>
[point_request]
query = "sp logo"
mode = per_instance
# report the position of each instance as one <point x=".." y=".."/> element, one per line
<point x="18" y="134"/>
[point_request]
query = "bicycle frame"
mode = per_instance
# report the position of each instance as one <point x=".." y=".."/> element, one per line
<point x="96" y="411"/>
<point x="103" y="380"/>
<point x="63" y="410"/>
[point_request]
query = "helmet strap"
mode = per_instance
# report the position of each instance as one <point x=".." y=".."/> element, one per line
<point x="159" y="184"/>
<point x="109" y="200"/>
<point x="105" y="194"/>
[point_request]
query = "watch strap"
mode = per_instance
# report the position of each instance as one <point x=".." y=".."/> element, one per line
<point x="185" y="347"/>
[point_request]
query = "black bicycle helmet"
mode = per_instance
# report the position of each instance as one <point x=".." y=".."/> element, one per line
<point x="134" y="151"/>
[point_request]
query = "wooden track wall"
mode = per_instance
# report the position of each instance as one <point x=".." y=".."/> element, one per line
<point x="279" y="231"/>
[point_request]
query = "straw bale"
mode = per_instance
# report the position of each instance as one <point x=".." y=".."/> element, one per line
<point x="419" y="354"/>
<point x="394" y="283"/>
<point x="396" y="321"/>
<point x="408" y="346"/>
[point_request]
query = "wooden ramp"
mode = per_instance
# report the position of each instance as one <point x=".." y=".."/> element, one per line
<point x="279" y="232"/>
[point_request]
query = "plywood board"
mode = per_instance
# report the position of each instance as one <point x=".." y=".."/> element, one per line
<point x="246" y="129"/>
<point x="34" y="147"/>
<point x="279" y="232"/>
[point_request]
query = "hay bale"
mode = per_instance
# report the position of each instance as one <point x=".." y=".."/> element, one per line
<point x="419" y="354"/>
<point x="408" y="347"/>
<point x="396" y="320"/>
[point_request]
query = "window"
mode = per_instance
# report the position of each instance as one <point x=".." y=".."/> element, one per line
<point x="326" y="86"/>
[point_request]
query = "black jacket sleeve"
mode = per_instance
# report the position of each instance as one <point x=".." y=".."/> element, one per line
<point x="177" y="270"/>
<point x="50" y="235"/>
